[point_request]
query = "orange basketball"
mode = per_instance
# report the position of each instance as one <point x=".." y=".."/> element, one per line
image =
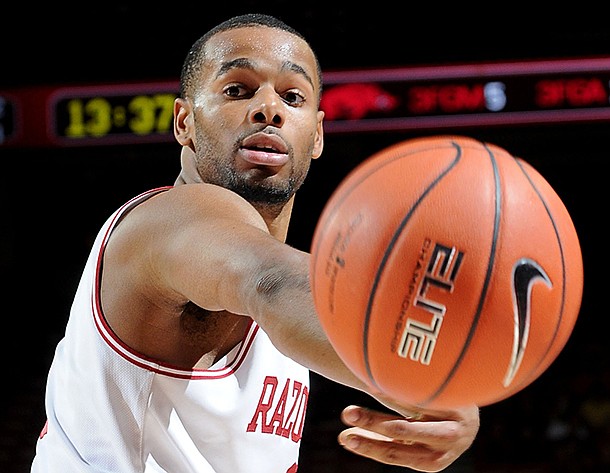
<point x="446" y="272"/>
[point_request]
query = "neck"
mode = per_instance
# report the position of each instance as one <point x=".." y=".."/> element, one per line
<point x="277" y="220"/>
<point x="185" y="178"/>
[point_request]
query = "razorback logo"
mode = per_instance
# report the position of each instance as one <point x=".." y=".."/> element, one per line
<point x="355" y="101"/>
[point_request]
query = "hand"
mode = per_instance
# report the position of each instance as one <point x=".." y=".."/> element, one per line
<point x="429" y="441"/>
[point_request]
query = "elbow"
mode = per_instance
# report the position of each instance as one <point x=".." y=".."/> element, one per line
<point x="275" y="282"/>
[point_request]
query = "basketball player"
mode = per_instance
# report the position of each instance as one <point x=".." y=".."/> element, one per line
<point x="193" y="327"/>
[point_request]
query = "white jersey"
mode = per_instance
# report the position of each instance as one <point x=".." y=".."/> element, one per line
<point x="111" y="409"/>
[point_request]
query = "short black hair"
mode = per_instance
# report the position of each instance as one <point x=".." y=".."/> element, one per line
<point x="194" y="58"/>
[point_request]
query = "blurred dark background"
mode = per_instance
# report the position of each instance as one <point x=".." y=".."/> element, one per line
<point x="54" y="199"/>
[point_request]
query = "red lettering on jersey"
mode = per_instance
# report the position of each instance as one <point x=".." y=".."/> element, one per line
<point x="288" y="415"/>
<point x="299" y="414"/>
<point x="280" y="410"/>
<point x="263" y="406"/>
<point x="278" y="415"/>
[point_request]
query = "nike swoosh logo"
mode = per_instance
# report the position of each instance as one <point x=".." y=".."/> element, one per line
<point x="525" y="273"/>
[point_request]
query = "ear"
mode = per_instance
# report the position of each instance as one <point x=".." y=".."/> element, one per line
<point x="184" y="127"/>
<point x="319" y="139"/>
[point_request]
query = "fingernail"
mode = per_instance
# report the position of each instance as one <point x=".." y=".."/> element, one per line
<point x="352" y="415"/>
<point x="352" y="442"/>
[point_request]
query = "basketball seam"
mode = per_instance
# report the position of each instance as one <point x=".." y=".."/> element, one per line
<point x="534" y="369"/>
<point x="486" y="282"/>
<point x="386" y="255"/>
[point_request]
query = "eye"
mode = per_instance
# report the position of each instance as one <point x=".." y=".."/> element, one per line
<point x="236" y="91"/>
<point x="293" y="97"/>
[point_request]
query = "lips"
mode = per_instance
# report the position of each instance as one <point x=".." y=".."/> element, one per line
<point x="264" y="149"/>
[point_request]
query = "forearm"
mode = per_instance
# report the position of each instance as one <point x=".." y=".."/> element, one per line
<point x="283" y="305"/>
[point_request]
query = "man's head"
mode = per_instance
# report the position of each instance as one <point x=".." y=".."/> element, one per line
<point x="250" y="91"/>
<point x="195" y="56"/>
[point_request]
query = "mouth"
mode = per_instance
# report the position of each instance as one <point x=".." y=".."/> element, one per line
<point x="264" y="149"/>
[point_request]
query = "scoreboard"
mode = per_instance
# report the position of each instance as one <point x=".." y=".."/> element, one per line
<point x="88" y="115"/>
<point x="367" y="100"/>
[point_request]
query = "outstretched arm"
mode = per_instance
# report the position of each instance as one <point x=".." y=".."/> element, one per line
<point x="204" y="244"/>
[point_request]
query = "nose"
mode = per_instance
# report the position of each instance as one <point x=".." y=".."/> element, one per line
<point x="267" y="107"/>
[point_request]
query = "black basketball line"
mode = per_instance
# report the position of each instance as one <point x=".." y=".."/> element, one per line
<point x="486" y="282"/>
<point x="526" y="380"/>
<point x="386" y="256"/>
<point x="346" y="193"/>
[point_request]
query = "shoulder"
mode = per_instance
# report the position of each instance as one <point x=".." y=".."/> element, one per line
<point x="182" y="215"/>
<point x="196" y="202"/>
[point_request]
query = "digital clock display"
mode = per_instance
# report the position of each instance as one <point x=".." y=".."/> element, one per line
<point x="354" y="101"/>
<point x="114" y="114"/>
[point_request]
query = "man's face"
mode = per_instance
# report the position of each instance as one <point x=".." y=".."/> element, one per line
<point x="256" y="113"/>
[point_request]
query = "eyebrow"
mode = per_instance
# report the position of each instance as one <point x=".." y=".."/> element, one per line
<point x="239" y="63"/>
<point x="245" y="63"/>
<point x="291" y="66"/>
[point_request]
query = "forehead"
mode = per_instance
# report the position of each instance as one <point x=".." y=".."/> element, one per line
<point x="263" y="45"/>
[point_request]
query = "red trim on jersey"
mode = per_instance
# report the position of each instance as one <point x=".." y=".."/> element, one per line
<point x="45" y="429"/>
<point x="138" y="359"/>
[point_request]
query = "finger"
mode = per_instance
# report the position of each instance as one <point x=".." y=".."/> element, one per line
<point x="432" y="433"/>
<point x="352" y="415"/>
<point x="385" y="450"/>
